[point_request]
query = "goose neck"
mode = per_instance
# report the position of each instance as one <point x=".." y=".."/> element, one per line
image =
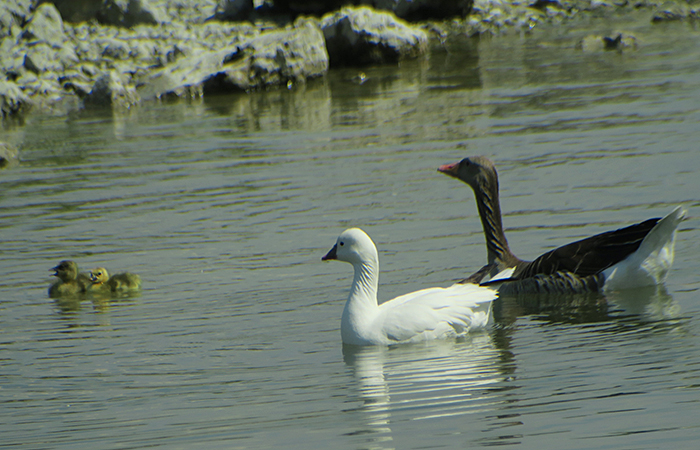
<point x="361" y="307"/>
<point x="488" y="204"/>
<point x="365" y="283"/>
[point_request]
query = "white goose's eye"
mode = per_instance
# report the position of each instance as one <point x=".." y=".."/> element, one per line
<point x="342" y="243"/>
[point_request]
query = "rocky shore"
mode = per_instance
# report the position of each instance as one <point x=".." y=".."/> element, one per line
<point x="116" y="53"/>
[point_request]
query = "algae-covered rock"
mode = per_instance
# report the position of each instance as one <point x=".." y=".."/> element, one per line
<point x="13" y="101"/>
<point x="8" y="155"/>
<point x="45" y="25"/>
<point x="270" y="59"/>
<point x="13" y="14"/>
<point x="361" y="36"/>
<point x="110" y="90"/>
<point x="674" y="10"/>
<point x="614" y="41"/>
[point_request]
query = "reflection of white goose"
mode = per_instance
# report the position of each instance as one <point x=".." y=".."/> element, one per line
<point x="426" y="314"/>
<point x="425" y="381"/>
<point x="368" y="367"/>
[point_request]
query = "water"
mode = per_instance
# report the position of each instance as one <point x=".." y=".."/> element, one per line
<point x="225" y="206"/>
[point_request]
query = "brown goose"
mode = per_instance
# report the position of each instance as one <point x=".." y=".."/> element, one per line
<point x="70" y="281"/>
<point x="634" y="256"/>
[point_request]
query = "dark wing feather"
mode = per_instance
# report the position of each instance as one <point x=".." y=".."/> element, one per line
<point x="589" y="256"/>
<point x="478" y="276"/>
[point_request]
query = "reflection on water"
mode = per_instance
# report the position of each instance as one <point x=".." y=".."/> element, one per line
<point x="611" y="369"/>
<point x="224" y="205"/>
<point x="96" y="302"/>
<point x="644" y="305"/>
<point x="524" y="383"/>
<point x="650" y="304"/>
<point x="427" y="381"/>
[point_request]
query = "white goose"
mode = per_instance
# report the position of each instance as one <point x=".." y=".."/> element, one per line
<point x="635" y="256"/>
<point x="426" y="314"/>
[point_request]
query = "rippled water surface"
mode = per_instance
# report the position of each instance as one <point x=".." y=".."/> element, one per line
<point x="225" y="206"/>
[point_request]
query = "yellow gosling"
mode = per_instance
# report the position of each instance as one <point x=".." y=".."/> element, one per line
<point x="121" y="282"/>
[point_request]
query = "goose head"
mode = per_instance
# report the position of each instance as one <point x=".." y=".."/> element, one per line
<point x="66" y="271"/>
<point x="477" y="171"/>
<point x="353" y="246"/>
<point x="99" y="275"/>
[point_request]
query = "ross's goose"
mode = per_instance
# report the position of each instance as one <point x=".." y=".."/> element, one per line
<point x="635" y="256"/>
<point x="426" y="314"/>
<point x="121" y="282"/>
<point x="70" y="281"/>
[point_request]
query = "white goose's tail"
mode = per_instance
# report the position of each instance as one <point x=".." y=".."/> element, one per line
<point x="650" y="264"/>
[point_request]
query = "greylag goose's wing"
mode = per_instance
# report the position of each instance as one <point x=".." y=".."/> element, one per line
<point x="589" y="256"/>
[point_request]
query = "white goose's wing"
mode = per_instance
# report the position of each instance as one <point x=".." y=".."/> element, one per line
<point x="435" y="310"/>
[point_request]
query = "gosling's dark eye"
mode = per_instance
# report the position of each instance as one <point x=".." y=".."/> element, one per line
<point x="342" y="243"/>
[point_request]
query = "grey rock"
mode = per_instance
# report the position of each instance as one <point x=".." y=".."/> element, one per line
<point x="278" y="58"/>
<point x="614" y="41"/>
<point x="13" y="102"/>
<point x="361" y="36"/>
<point x="11" y="58"/>
<point x="111" y="91"/>
<point x="13" y="13"/>
<point x="43" y="90"/>
<point x="497" y="16"/>
<point x="27" y="78"/>
<point x="674" y="10"/>
<point x="188" y="11"/>
<point x="114" y="49"/>
<point x="8" y="155"/>
<point x="273" y="58"/>
<point x="78" y="80"/>
<point x="45" y="25"/>
<point x="41" y="57"/>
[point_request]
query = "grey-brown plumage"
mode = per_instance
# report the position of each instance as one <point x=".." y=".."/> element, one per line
<point x="575" y="267"/>
<point x="70" y="281"/>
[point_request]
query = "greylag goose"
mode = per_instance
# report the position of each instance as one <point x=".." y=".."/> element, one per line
<point x="634" y="256"/>
<point x="70" y="281"/>
<point x="101" y="282"/>
<point x="426" y="314"/>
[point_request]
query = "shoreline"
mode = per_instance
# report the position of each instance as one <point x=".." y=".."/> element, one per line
<point x="52" y="66"/>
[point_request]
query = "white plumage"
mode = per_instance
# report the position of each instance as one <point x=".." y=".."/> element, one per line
<point x="650" y="263"/>
<point x="426" y="314"/>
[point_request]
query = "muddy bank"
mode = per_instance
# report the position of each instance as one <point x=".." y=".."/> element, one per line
<point x="61" y="55"/>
